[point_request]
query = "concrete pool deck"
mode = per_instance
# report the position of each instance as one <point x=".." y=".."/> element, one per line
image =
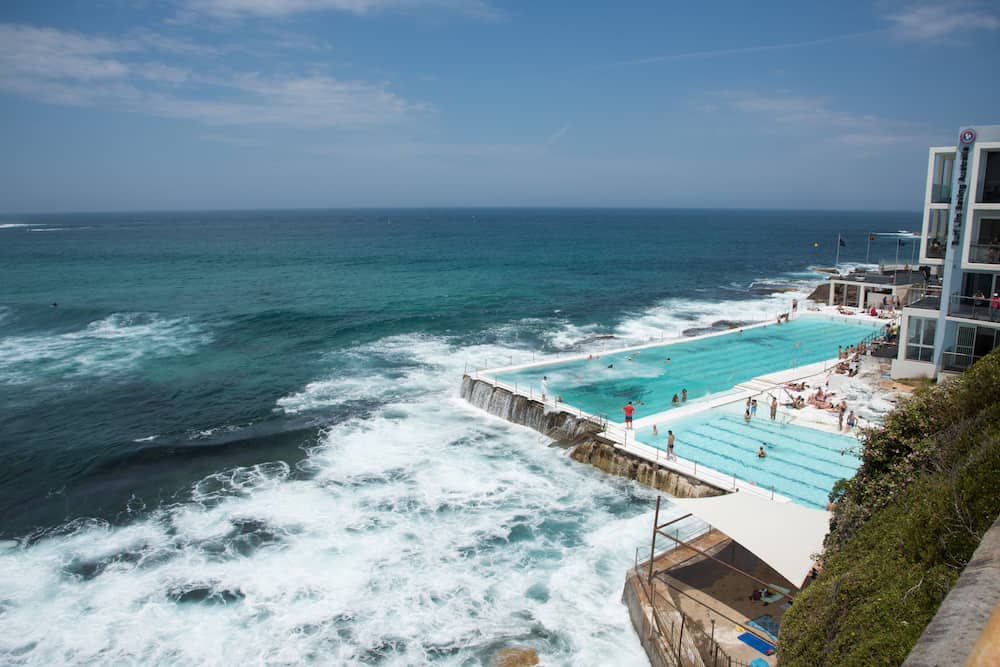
<point x="814" y="374"/>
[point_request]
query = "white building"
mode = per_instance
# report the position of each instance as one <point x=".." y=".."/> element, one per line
<point x="947" y="330"/>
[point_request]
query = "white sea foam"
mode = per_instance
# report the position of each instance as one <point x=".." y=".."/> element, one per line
<point x="671" y="317"/>
<point x="109" y="346"/>
<point x="14" y="225"/>
<point x="427" y="532"/>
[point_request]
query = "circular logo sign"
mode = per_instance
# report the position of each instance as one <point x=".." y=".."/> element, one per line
<point x="967" y="136"/>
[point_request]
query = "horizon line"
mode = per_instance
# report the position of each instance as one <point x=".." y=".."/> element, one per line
<point x="447" y="207"/>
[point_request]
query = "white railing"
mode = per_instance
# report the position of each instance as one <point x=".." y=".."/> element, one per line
<point x="619" y="437"/>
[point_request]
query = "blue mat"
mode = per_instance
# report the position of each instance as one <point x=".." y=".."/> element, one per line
<point x="767" y="625"/>
<point x="759" y="662"/>
<point x="756" y="642"/>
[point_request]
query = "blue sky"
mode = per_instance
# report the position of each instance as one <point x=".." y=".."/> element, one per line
<point x="188" y="104"/>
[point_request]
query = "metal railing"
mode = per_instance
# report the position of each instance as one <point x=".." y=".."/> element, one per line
<point x="984" y="253"/>
<point x="619" y="438"/>
<point x="926" y="296"/>
<point x="957" y="361"/>
<point x="671" y="633"/>
<point x="937" y="250"/>
<point x="972" y="308"/>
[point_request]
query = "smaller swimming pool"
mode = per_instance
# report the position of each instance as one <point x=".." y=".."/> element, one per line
<point x="802" y="463"/>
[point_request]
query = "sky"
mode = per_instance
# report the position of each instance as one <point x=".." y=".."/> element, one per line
<point x="212" y="104"/>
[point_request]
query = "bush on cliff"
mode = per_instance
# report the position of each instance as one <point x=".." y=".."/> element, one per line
<point x="904" y="527"/>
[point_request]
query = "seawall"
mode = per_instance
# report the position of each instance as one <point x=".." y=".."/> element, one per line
<point x="585" y="436"/>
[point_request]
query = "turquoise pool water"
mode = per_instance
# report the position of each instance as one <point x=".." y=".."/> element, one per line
<point x="703" y="366"/>
<point x="802" y="463"/>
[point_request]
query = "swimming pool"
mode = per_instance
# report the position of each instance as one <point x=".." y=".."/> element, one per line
<point x="703" y="366"/>
<point x="802" y="463"/>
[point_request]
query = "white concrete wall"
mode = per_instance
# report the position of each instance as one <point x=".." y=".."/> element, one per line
<point x="905" y="368"/>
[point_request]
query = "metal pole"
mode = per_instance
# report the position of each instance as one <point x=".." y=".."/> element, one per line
<point x="680" y="637"/>
<point x="837" y="262"/>
<point x="869" y="250"/>
<point x="652" y="544"/>
<point x="713" y="640"/>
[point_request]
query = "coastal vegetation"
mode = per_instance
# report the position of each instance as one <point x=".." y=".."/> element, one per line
<point x="904" y="527"/>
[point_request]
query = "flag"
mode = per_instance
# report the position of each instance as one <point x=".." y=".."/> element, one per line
<point x="842" y="244"/>
<point x="871" y="237"/>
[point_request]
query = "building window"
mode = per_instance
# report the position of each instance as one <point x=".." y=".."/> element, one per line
<point x="937" y="233"/>
<point x="920" y="339"/>
<point x="991" y="179"/>
<point x="944" y="164"/>
<point x="986" y="249"/>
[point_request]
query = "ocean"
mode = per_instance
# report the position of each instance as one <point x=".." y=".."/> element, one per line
<point x="236" y="437"/>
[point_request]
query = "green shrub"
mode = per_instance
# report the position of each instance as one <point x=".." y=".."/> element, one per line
<point x="904" y="527"/>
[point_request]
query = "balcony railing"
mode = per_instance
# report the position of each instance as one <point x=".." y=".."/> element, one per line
<point x="928" y="298"/>
<point x="936" y="248"/>
<point x="984" y="253"/>
<point x="956" y="361"/>
<point x="941" y="193"/>
<point x="972" y="308"/>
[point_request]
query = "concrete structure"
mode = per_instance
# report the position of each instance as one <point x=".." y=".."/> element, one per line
<point x="964" y="616"/>
<point x="946" y="330"/>
<point x="866" y="289"/>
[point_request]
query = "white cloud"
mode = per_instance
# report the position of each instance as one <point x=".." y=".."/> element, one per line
<point x="557" y="135"/>
<point x="67" y="68"/>
<point x="817" y="118"/>
<point x="927" y="21"/>
<point x="281" y="8"/>
<point x="745" y="50"/>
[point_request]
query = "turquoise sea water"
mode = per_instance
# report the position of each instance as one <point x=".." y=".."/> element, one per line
<point x="237" y="438"/>
<point x="603" y="384"/>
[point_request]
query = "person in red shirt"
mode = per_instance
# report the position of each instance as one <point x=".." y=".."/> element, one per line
<point x="629" y="409"/>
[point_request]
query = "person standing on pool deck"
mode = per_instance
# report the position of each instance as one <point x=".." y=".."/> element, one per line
<point x="753" y="408"/>
<point x="628" y="409"/>
<point x="545" y="386"/>
<point x="774" y="408"/>
<point x="670" y="446"/>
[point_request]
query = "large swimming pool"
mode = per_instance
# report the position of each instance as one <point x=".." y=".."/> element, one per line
<point x="703" y="366"/>
<point x="802" y="463"/>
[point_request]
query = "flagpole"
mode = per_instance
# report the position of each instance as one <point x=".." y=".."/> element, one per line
<point x="897" y="255"/>
<point x="869" y="250"/>
<point x="837" y="262"/>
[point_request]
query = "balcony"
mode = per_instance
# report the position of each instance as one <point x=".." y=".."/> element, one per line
<point x="936" y="248"/>
<point x="971" y="308"/>
<point x="941" y="193"/>
<point x="925" y="298"/>
<point x="957" y="362"/>
<point x="984" y="253"/>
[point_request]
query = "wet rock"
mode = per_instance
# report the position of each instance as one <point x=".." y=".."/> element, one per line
<point x="516" y="657"/>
